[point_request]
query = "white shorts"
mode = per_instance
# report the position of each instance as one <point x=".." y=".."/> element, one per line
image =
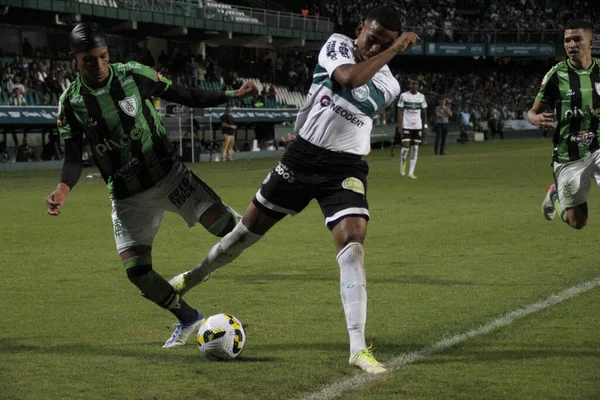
<point x="574" y="179"/>
<point x="136" y="219"/>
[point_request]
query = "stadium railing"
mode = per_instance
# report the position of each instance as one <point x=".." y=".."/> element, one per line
<point x="213" y="10"/>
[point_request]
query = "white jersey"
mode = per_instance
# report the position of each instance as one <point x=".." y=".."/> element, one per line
<point x="412" y="104"/>
<point x="341" y="119"/>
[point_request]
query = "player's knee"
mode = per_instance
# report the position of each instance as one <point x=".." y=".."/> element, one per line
<point x="576" y="223"/>
<point x="224" y="224"/>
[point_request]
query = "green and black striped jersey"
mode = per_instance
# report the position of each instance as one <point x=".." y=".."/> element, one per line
<point x="128" y="141"/>
<point x="574" y="95"/>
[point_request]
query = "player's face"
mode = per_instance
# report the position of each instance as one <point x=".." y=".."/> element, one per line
<point x="93" y="65"/>
<point x="372" y="39"/>
<point x="578" y="43"/>
<point x="414" y="86"/>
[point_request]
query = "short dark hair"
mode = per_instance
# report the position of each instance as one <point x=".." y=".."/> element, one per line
<point x="387" y="17"/>
<point x="580" y="24"/>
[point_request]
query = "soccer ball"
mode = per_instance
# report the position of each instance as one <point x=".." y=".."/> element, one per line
<point x="221" y="337"/>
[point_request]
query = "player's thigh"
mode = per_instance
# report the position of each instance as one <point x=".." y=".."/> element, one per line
<point x="188" y="195"/>
<point x="574" y="180"/>
<point x="284" y="191"/>
<point x="135" y="222"/>
<point x="344" y="195"/>
<point x="406" y="137"/>
<point x="416" y="137"/>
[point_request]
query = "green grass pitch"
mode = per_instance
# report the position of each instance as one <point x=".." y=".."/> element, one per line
<point x="446" y="253"/>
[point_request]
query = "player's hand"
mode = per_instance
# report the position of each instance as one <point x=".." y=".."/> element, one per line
<point x="247" y="89"/>
<point x="57" y="199"/>
<point x="405" y="41"/>
<point x="545" y="121"/>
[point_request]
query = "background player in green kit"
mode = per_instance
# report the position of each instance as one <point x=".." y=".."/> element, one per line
<point x="111" y="105"/>
<point x="571" y="89"/>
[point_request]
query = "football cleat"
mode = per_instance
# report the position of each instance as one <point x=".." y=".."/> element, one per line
<point x="412" y="176"/>
<point x="183" y="331"/>
<point x="402" y="169"/>
<point x="548" y="205"/>
<point x="178" y="283"/>
<point x="365" y="361"/>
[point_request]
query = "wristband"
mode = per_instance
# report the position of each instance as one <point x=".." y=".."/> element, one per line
<point x="425" y="126"/>
<point x="230" y="93"/>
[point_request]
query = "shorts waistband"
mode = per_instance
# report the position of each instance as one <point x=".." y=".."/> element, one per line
<point x="321" y="151"/>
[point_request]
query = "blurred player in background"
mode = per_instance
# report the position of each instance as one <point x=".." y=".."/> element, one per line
<point x="412" y="122"/>
<point x="569" y="102"/>
<point x="351" y="84"/>
<point x="111" y="104"/>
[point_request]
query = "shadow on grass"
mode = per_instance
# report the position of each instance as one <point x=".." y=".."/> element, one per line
<point x="151" y="352"/>
<point x="409" y="279"/>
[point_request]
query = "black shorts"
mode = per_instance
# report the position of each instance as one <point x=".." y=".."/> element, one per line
<point x="413" y="135"/>
<point x="338" y="181"/>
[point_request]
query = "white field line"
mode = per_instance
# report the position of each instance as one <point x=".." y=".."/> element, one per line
<point x="337" y="389"/>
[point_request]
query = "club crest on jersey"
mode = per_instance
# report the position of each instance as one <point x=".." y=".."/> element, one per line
<point x="361" y="93"/>
<point x="129" y="105"/>
<point x="597" y="87"/>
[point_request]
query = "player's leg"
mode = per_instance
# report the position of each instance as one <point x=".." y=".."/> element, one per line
<point x="346" y="214"/>
<point x="404" y="151"/>
<point x="569" y="195"/>
<point x="135" y="225"/>
<point x="281" y="193"/>
<point x="184" y="193"/>
<point x="414" y="153"/>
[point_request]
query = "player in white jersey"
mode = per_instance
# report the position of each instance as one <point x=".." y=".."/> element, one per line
<point x="412" y="122"/>
<point x="351" y="84"/>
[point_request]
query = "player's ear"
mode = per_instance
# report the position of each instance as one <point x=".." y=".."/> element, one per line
<point x="360" y="28"/>
<point x="73" y="58"/>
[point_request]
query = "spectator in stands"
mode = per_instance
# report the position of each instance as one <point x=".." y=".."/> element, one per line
<point x="16" y="98"/>
<point x="500" y="122"/>
<point x="4" y="156"/>
<point x="51" y="150"/>
<point x="465" y="120"/>
<point x="27" y="49"/>
<point x="16" y="65"/>
<point x="25" y="151"/>
<point x="492" y="119"/>
<point x="228" y="127"/>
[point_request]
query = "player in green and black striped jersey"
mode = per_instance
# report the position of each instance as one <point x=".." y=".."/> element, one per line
<point x="111" y="104"/>
<point x="569" y="103"/>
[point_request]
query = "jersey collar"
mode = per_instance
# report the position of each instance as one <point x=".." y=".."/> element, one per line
<point x="110" y="77"/>
<point x="582" y="71"/>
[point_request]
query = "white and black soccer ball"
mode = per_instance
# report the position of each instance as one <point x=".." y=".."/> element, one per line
<point x="221" y="337"/>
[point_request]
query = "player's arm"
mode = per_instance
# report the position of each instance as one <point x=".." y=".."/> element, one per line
<point x="424" y="119"/>
<point x="351" y="75"/>
<point x="539" y="114"/>
<point x="200" y="98"/>
<point x="71" y="131"/>
<point x="153" y="84"/>
<point x="400" y="117"/>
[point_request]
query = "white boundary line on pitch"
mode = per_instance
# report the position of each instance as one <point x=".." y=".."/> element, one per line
<point x="335" y="390"/>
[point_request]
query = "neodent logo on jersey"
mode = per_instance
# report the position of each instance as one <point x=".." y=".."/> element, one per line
<point x="347" y="115"/>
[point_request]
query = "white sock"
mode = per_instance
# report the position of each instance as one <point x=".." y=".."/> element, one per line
<point x="353" y="289"/>
<point x="414" y="154"/>
<point x="222" y="253"/>
<point x="403" y="154"/>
